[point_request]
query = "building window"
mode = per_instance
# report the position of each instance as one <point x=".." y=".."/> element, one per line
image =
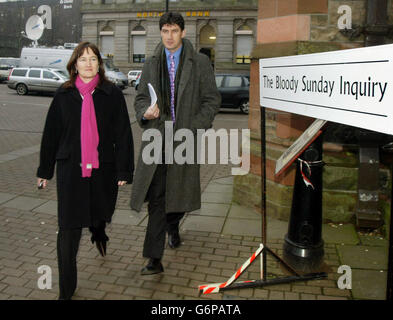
<point x="107" y="45"/>
<point x="244" y="43"/>
<point x="207" y="42"/>
<point x="107" y="1"/>
<point x="207" y="36"/>
<point x="138" y="35"/>
<point x="107" y="41"/>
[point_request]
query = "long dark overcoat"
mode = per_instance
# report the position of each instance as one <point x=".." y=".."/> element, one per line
<point x="84" y="200"/>
<point x="198" y="101"/>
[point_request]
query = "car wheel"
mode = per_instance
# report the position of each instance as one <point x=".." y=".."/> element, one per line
<point x="244" y="106"/>
<point x="133" y="83"/>
<point x="21" y="89"/>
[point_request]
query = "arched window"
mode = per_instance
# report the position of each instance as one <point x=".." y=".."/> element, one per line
<point x="107" y="41"/>
<point x="244" y="43"/>
<point x="138" y="40"/>
<point x="207" y="41"/>
<point x="207" y="36"/>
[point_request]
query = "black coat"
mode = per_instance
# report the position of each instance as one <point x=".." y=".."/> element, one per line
<point x="84" y="200"/>
<point x="198" y="101"/>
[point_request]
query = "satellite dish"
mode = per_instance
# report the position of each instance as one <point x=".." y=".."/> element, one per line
<point x="34" y="28"/>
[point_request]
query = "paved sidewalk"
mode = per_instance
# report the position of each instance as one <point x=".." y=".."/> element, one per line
<point x="216" y="240"/>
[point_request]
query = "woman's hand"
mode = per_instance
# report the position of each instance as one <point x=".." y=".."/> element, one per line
<point x="121" y="183"/>
<point x="42" y="183"/>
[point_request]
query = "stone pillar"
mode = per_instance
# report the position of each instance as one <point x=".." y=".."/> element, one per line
<point x="121" y="44"/>
<point x="191" y="31"/>
<point x="224" y="44"/>
<point x="90" y="31"/>
<point x="290" y="28"/>
<point x="152" y="36"/>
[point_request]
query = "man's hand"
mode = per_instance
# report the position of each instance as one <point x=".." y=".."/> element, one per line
<point x="121" y="183"/>
<point x="152" y="112"/>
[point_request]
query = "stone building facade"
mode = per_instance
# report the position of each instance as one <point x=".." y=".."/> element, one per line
<point x="294" y="27"/>
<point x="128" y="29"/>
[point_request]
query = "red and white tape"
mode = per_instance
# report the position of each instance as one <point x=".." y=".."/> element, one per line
<point x="306" y="180"/>
<point x="215" y="287"/>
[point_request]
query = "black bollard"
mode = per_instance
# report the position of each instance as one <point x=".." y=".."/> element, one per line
<point x="303" y="245"/>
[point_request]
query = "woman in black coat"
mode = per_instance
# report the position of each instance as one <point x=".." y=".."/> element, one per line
<point x="88" y="135"/>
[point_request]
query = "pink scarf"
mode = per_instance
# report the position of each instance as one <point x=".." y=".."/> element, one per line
<point x="89" y="131"/>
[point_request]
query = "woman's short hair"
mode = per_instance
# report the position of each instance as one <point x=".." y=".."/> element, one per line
<point x="172" y="18"/>
<point x="78" y="52"/>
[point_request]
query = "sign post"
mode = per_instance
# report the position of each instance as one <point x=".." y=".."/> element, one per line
<point x="346" y="87"/>
<point x="351" y="87"/>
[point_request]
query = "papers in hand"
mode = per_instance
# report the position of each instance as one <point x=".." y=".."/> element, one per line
<point x="153" y="95"/>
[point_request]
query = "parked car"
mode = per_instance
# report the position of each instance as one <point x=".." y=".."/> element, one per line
<point x="132" y="76"/>
<point x="25" y="80"/>
<point x="6" y="65"/>
<point x="138" y="79"/>
<point x="4" y="72"/>
<point x="234" y="90"/>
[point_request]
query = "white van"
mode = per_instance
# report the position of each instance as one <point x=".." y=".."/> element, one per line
<point x="58" y="59"/>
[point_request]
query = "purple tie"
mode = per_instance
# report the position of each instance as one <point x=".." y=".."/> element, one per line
<point x="172" y="81"/>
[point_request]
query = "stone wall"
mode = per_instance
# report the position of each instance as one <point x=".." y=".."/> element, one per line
<point x="222" y="15"/>
<point x="292" y="27"/>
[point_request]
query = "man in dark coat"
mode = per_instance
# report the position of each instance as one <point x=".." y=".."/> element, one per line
<point x="187" y="99"/>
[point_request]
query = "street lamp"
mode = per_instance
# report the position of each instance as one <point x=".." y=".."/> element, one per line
<point x="167" y="6"/>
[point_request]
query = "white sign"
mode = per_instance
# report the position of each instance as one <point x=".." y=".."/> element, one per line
<point x="353" y="87"/>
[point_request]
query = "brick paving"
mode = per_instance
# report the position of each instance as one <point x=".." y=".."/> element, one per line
<point x="28" y="240"/>
<point x="216" y="240"/>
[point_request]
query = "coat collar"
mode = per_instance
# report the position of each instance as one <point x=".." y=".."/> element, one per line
<point x="187" y="67"/>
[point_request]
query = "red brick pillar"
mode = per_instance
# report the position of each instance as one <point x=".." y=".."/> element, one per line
<point x="283" y="25"/>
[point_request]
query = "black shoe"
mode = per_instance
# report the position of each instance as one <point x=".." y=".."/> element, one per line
<point x="174" y="239"/>
<point x="100" y="244"/>
<point x="154" y="266"/>
<point x="99" y="236"/>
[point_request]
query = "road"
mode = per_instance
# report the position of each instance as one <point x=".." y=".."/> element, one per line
<point x="22" y="120"/>
<point x="23" y="117"/>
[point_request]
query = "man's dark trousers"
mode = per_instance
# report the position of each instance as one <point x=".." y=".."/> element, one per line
<point x="159" y="221"/>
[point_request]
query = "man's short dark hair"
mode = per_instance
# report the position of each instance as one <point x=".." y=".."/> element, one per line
<point x="172" y="18"/>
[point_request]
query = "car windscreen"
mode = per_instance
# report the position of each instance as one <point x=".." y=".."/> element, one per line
<point x="246" y="81"/>
<point x="49" y="75"/>
<point x="110" y="66"/>
<point x="219" y="81"/>
<point x="63" y="74"/>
